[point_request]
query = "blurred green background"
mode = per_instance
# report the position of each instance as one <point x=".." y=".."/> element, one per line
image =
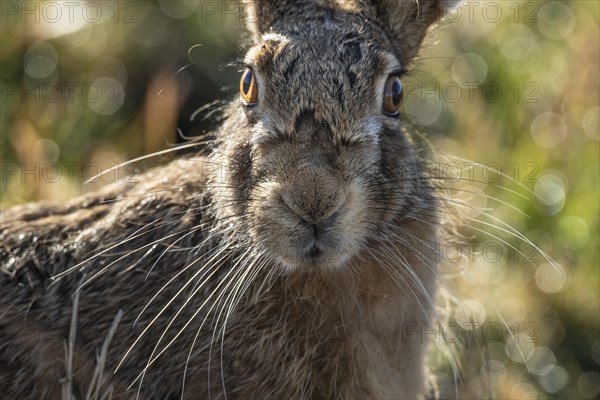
<point x="511" y="85"/>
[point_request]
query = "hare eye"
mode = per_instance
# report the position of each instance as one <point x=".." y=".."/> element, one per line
<point x="248" y="88"/>
<point x="392" y="96"/>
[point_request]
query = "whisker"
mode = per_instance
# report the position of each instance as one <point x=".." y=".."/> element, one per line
<point x="141" y="158"/>
<point x="153" y="358"/>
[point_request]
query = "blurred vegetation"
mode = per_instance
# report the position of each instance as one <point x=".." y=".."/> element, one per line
<point x="510" y="85"/>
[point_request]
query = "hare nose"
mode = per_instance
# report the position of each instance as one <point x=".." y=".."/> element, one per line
<point x="321" y="213"/>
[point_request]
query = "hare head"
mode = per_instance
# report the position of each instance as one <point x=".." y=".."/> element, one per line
<point x="318" y="162"/>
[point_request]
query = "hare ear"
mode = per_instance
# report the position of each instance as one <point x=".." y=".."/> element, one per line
<point x="406" y="21"/>
<point x="259" y="15"/>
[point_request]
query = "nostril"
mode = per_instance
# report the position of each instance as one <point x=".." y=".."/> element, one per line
<point x="329" y="221"/>
<point x="292" y="205"/>
<point x="320" y="227"/>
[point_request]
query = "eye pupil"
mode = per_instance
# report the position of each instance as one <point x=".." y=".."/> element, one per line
<point x="248" y="88"/>
<point x="396" y="92"/>
<point x="247" y="81"/>
<point x="392" y="96"/>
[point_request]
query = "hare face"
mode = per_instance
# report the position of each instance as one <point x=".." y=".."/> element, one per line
<point x="330" y="169"/>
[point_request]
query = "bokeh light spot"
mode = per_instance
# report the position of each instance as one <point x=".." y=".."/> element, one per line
<point x="554" y="380"/>
<point x="550" y="278"/>
<point x="589" y="384"/>
<point x="519" y="347"/>
<point x="555" y="20"/>
<point x="469" y="70"/>
<point x="470" y="314"/>
<point x="550" y="190"/>
<point x="486" y="272"/>
<point x="548" y="130"/>
<point x="41" y="60"/>
<point x="591" y="123"/>
<point x="519" y="44"/>
<point x="541" y="361"/>
<point x="105" y="96"/>
<point x="523" y="391"/>
<point x="423" y="107"/>
<point x="46" y="151"/>
<point x="575" y="231"/>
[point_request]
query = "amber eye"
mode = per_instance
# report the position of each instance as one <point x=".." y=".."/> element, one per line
<point x="392" y="96"/>
<point x="249" y="88"/>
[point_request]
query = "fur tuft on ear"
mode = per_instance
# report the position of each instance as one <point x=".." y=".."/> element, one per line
<point x="260" y="15"/>
<point x="404" y="22"/>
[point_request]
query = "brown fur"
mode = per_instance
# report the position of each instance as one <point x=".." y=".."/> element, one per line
<point x="283" y="322"/>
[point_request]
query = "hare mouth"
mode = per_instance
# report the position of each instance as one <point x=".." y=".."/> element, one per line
<point x="317" y="250"/>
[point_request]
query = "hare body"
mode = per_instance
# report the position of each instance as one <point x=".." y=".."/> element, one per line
<point x="304" y="334"/>
<point x="290" y="263"/>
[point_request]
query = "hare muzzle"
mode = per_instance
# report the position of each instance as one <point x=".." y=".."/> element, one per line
<point x="317" y="202"/>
